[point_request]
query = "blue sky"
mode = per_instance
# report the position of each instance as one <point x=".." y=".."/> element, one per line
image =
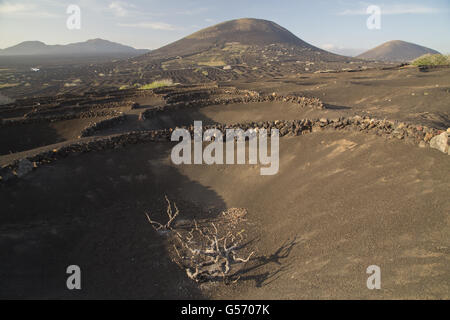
<point x="336" y="25"/>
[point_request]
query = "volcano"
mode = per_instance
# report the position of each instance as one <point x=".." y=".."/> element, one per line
<point x="396" y="50"/>
<point x="240" y="41"/>
<point x="243" y="48"/>
<point x="250" y="32"/>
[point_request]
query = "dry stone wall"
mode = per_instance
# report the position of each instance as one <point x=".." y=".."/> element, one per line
<point x="419" y="135"/>
<point x="103" y="124"/>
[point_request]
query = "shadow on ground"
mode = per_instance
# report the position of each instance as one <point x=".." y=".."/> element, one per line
<point x="89" y="211"/>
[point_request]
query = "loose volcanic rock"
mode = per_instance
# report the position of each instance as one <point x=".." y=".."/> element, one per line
<point x="441" y="142"/>
<point x="24" y="166"/>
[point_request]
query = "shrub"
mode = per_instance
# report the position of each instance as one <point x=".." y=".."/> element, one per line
<point x="432" y="60"/>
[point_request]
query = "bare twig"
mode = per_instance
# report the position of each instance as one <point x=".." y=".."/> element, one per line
<point x="158" y="226"/>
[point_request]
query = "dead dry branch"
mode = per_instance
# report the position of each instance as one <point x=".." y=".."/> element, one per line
<point x="207" y="253"/>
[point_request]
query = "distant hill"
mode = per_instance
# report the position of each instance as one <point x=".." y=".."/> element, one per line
<point x="396" y="50"/>
<point x="90" y="47"/>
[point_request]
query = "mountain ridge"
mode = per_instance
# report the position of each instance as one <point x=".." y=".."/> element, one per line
<point x="89" y="47"/>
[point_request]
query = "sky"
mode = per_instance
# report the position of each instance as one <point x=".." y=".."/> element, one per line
<point x="336" y="25"/>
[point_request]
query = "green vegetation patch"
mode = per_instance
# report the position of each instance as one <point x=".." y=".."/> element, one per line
<point x="212" y="63"/>
<point x="157" y="84"/>
<point x="8" y="85"/>
<point x="432" y="60"/>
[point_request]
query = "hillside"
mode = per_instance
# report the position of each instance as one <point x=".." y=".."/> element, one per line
<point x="236" y="41"/>
<point x="246" y="32"/>
<point x="243" y="48"/>
<point x="396" y="51"/>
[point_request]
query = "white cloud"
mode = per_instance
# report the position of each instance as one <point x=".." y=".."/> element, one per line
<point x="120" y="8"/>
<point x="328" y="46"/>
<point x="350" y="52"/>
<point x="8" y="8"/>
<point x="150" y="25"/>
<point x="191" y="12"/>
<point x="25" y="9"/>
<point x="394" y="10"/>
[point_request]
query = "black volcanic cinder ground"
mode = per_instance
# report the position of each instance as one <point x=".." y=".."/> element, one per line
<point x="349" y="194"/>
